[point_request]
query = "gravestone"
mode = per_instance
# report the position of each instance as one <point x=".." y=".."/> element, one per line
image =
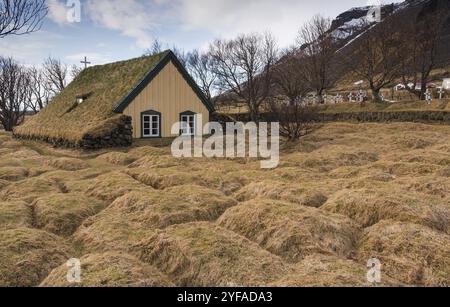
<point x="428" y="97"/>
<point x="350" y="97"/>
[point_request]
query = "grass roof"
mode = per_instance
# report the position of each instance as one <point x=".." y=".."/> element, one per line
<point x="102" y="88"/>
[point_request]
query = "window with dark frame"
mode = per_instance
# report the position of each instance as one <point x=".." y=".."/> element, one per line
<point x="151" y="125"/>
<point x="188" y="123"/>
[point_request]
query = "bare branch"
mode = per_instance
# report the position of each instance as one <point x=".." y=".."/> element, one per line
<point x="18" y="17"/>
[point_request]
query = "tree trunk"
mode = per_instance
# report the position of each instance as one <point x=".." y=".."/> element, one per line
<point x="376" y="95"/>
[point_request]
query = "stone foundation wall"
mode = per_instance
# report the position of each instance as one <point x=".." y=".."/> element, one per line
<point x="120" y="136"/>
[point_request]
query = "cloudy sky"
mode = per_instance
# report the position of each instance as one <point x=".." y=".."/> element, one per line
<point x="110" y="30"/>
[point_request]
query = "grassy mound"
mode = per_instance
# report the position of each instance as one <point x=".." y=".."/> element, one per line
<point x="142" y="151"/>
<point x="62" y="214"/>
<point x="109" y="270"/>
<point x="368" y="207"/>
<point x="30" y="189"/>
<point x="68" y="164"/>
<point x="330" y="271"/>
<point x="161" y="179"/>
<point x="111" y="186"/>
<point x="291" y="231"/>
<point x="13" y="173"/>
<point x="202" y="254"/>
<point x="27" y="256"/>
<point x="281" y="191"/>
<point x="3" y="183"/>
<point x="411" y="253"/>
<point x="15" y="214"/>
<point x="117" y="158"/>
<point x="129" y="218"/>
<point x="152" y="162"/>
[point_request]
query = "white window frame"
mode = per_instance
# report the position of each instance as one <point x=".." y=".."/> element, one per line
<point x="188" y="125"/>
<point x="151" y="119"/>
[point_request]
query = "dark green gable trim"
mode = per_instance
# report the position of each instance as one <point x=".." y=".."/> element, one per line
<point x="170" y="56"/>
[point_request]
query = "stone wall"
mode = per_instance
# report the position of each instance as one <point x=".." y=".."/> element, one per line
<point x="411" y="116"/>
<point x="120" y="136"/>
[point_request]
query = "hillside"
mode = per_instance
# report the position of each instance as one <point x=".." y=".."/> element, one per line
<point x="348" y="27"/>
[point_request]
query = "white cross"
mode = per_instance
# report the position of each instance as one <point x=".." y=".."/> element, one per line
<point x="441" y="92"/>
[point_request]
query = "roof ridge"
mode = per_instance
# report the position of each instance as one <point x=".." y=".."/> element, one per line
<point x="157" y="68"/>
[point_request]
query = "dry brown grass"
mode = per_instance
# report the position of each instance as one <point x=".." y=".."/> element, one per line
<point x="13" y="173"/>
<point x="68" y="164"/>
<point x="368" y="207"/>
<point x="30" y="189"/>
<point x="28" y="255"/>
<point x="330" y="271"/>
<point x="62" y="214"/>
<point x="131" y="217"/>
<point x="15" y="214"/>
<point x="413" y="254"/>
<point x="117" y="158"/>
<point x="281" y="191"/>
<point x="202" y="254"/>
<point x="109" y="270"/>
<point x="342" y="195"/>
<point x="292" y="231"/>
<point x="111" y="186"/>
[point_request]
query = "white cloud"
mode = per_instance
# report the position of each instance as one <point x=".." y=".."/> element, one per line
<point x="227" y="18"/>
<point x="29" y="49"/>
<point x="132" y="18"/>
<point x="232" y="17"/>
<point x="57" y="11"/>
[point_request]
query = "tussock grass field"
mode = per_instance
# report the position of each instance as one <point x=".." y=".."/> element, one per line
<point x="342" y="195"/>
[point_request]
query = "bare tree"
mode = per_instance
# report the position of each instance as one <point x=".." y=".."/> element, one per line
<point x="181" y="55"/>
<point x="156" y="48"/>
<point x="318" y="49"/>
<point x="288" y="76"/>
<point x="13" y="93"/>
<point x="418" y="51"/>
<point x="374" y="57"/>
<point x="56" y="74"/>
<point x="75" y="71"/>
<point x="201" y="67"/>
<point x="295" y="118"/>
<point x="243" y="66"/>
<point x="18" y="17"/>
<point x="38" y="94"/>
